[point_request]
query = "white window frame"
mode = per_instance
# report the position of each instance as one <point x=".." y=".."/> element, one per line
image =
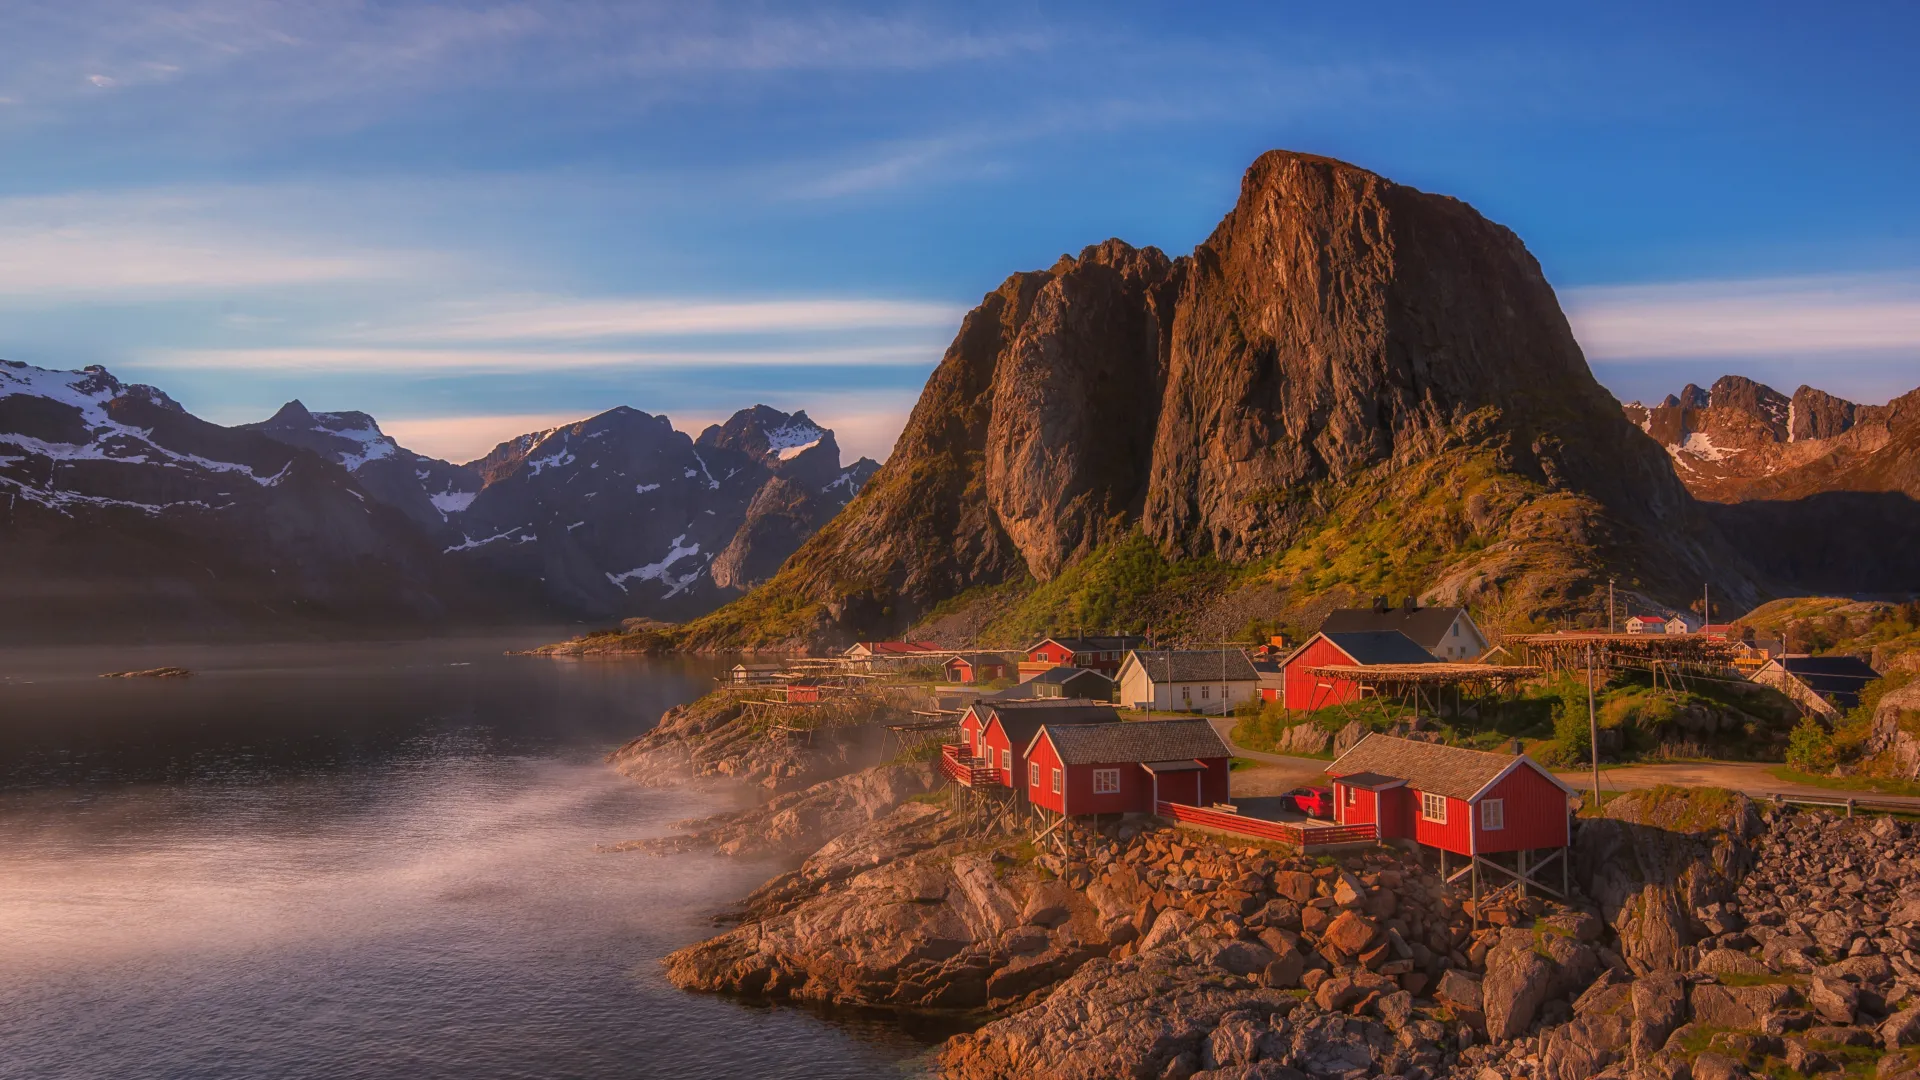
<point x="1056" y="781"/>
<point x="1493" y="815"/>
<point x="1428" y="802"/>
<point x="1033" y="774"/>
<point x="1106" y="781"/>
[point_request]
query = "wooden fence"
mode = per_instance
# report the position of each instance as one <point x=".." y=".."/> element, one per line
<point x="971" y="771"/>
<point x="1304" y="837"/>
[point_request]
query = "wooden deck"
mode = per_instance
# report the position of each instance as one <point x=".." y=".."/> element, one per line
<point x="969" y="771"/>
<point x="1306" y="837"/>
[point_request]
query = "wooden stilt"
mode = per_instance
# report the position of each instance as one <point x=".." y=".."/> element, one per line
<point x="1523" y="873"/>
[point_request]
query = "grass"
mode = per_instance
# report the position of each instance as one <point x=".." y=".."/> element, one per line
<point x="1871" y="784"/>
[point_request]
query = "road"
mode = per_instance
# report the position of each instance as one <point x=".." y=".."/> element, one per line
<point x="1280" y="771"/>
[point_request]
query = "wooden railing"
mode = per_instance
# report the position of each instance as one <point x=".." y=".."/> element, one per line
<point x="961" y="769"/>
<point x="1304" y="837"/>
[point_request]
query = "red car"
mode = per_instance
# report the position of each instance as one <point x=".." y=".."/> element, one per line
<point x="1313" y="801"/>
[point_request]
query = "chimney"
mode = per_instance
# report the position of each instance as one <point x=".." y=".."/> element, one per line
<point x="1410" y="604"/>
<point x="1380" y="605"/>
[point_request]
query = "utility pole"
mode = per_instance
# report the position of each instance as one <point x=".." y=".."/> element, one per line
<point x="1593" y="732"/>
<point x="1610" y="605"/>
<point x="1706" y="607"/>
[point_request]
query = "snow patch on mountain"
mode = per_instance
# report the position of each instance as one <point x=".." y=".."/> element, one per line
<point x="660" y="571"/>
<point x="791" y="440"/>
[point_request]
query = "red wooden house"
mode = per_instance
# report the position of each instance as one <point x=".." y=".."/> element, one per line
<point x="967" y="668"/>
<point x="800" y="693"/>
<point x="1306" y="691"/>
<point x="1467" y="802"/>
<point x="1102" y="654"/>
<point x="1126" y="767"/>
<point x="1008" y="727"/>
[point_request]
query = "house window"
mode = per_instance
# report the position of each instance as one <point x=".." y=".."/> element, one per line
<point x="1056" y="781"/>
<point x="1186" y="693"/>
<point x="1352" y="797"/>
<point x="1433" y="807"/>
<point x="1033" y="774"/>
<point x="1006" y="760"/>
<point x="1206" y="692"/>
<point x="1493" y="814"/>
<point x="1106" y="781"/>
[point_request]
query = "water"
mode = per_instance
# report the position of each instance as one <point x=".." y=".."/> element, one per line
<point x="363" y="861"/>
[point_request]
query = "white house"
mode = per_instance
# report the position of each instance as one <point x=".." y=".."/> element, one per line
<point x="1187" y="680"/>
<point x="1448" y="633"/>
<point x="1660" y="624"/>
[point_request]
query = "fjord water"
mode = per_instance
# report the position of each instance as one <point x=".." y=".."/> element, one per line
<point x="363" y="860"/>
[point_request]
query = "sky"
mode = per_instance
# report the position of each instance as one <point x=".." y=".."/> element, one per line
<point x="478" y="219"/>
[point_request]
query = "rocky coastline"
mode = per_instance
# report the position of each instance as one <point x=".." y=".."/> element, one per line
<point x="1708" y="936"/>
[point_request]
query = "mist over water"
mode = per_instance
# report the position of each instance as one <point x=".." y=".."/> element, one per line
<point x="364" y="860"/>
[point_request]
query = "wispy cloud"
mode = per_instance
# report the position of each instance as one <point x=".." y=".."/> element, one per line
<point x="559" y="318"/>
<point x="291" y="52"/>
<point x="1774" y="317"/>
<point x="140" y="244"/>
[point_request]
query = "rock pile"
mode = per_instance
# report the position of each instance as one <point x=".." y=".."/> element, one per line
<point x="1790" y="949"/>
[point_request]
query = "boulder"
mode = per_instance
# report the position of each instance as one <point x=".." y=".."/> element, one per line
<point x="1513" y="989"/>
<point x="1836" y="1000"/>
<point x="1659" y="1007"/>
<point x="1737" y="1008"/>
<point x="1348" y="935"/>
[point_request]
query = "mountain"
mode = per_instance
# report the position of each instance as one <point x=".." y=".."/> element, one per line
<point x="1744" y="440"/>
<point x="124" y="516"/>
<point x="1352" y="387"/>
<point x="620" y="513"/>
<point x="425" y="489"/>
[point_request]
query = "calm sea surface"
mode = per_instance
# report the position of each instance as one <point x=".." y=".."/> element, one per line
<point x="363" y="861"/>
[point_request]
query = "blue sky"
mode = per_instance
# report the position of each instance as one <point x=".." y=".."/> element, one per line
<point x="478" y="219"/>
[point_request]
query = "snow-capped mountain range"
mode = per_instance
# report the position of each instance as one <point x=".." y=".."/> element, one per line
<point x="117" y="504"/>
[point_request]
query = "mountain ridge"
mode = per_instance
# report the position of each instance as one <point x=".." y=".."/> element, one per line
<point x="126" y="516"/>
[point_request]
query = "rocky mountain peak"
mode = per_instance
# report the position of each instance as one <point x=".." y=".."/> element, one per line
<point x="1816" y="414"/>
<point x="1336" y="330"/>
<point x="292" y="415"/>
<point x="767" y="434"/>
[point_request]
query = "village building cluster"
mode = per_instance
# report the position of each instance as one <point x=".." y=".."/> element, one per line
<point x="1075" y="726"/>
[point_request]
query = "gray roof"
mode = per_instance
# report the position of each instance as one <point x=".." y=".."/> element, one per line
<point x="1427" y="626"/>
<point x="1453" y="771"/>
<point x="1197" y="665"/>
<point x="1838" y="678"/>
<point x="1136" y="741"/>
<point x="1063" y="673"/>
<point x="1381" y="647"/>
<point x="1021" y="718"/>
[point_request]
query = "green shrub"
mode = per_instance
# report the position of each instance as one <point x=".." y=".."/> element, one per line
<point x="1810" y="748"/>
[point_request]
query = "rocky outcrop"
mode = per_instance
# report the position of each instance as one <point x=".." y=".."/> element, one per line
<point x="1895" y="738"/>
<point x="714" y="738"/>
<point x="1658" y="856"/>
<point x="797" y="822"/>
<point x="1337" y="332"/>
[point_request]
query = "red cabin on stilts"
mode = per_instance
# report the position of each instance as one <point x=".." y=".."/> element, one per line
<point x="1469" y="803"/>
<point x="1125" y="768"/>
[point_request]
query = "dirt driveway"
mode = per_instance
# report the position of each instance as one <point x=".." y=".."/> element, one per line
<point x="1278" y="772"/>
